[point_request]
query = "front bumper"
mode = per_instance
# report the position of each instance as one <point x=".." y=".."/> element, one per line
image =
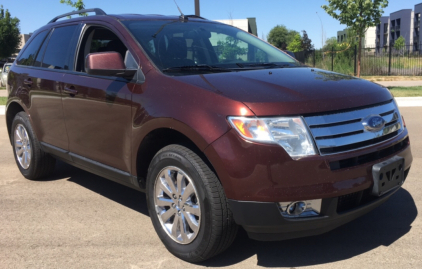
<point x="266" y="173"/>
<point x="256" y="177"/>
<point x="264" y="222"/>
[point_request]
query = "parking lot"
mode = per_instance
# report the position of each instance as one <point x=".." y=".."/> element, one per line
<point x="78" y="220"/>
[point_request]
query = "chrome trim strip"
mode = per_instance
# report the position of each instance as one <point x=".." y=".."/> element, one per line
<point x="339" y="152"/>
<point x="347" y="128"/>
<point x="347" y="116"/>
<point x="347" y="140"/>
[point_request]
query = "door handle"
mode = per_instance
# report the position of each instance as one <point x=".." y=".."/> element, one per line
<point x="27" y="81"/>
<point x="70" y="91"/>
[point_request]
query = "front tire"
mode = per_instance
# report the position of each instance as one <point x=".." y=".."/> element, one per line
<point x="31" y="160"/>
<point x="187" y="205"/>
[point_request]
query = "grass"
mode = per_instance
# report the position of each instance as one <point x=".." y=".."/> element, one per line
<point x="3" y="101"/>
<point x="406" y="91"/>
<point x="2" y="88"/>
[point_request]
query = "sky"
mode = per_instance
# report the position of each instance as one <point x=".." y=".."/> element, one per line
<point x="294" y="14"/>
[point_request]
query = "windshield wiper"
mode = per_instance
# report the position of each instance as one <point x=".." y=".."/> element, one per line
<point x="201" y="67"/>
<point x="264" y="65"/>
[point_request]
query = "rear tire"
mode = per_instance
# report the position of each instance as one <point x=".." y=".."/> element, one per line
<point x="31" y="160"/>
<point x="207" y="226"/>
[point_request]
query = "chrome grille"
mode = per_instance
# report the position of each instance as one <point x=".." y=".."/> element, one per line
<point x="344" y="131"/>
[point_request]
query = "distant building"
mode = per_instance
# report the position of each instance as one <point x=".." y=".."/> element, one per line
<point x="401" y="25"/>
<point x="367" y="41"/>
<point x="382" y="32"/>
<point x="405" y="23"/>
<point x="417" y="40"/>
<point x="341" y="36"/>
<point x="24" y="39"/>
<point x="248" y="25"/>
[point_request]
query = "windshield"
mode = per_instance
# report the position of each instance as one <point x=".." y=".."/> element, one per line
<point x="204" y="46"/>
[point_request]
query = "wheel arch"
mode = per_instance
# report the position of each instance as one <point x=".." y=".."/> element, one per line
<point x="13" y="108"/>
<point x="164" y="135"/>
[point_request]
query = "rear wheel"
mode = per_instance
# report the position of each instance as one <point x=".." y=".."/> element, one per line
<point x="187" y="205"/>
<point x="31" y="160"/>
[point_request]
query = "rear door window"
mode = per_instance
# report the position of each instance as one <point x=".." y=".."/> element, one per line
<point x="40" y="54"/>
<point x="30" y="53"/>
<point x="60" y="50"/>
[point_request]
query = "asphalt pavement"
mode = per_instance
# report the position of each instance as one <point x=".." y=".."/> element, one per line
<point x="75" y="219"/>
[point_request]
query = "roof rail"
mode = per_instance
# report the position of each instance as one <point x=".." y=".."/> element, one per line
<point x="97" y="11"/>
<point x="194" y="16"/>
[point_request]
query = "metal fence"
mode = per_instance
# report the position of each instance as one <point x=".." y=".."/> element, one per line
<point x="378" y="61"/>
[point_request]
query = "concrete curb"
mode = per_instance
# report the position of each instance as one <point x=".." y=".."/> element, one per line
<point x="401" y="101"/>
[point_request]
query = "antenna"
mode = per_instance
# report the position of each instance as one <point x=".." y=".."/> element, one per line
<point x="182" y="16"/>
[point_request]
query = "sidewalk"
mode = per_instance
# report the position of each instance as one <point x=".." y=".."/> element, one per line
<point x="404" y="83"/>
<point x="409" y="101"/>
<point x="3" y="93"/>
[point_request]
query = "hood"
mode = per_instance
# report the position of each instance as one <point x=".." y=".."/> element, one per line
<point x="291" y="91"/>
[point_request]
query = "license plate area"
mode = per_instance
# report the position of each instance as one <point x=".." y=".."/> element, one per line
<point x="387" y="175"/>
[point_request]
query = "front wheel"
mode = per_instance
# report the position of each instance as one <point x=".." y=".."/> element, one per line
<point x="187" y="205"/>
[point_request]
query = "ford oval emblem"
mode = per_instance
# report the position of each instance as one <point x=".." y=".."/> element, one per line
<point x="373" y="123"/>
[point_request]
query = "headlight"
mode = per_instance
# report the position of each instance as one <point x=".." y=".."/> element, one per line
<point x="290" y="133"/>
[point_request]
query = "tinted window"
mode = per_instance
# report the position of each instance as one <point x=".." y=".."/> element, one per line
<point x="30" y="52"/>
<point x="98" y="39"/>
<point x="41" y="53"/>
<point x="60" y="48"/>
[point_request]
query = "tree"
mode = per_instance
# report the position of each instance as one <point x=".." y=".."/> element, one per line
<point x="331" y="43"/>
<point x="79" y="5"/>
<point x="10" y="38"/>
<point x="359" y="15"/>
<point x="229" y="49"/>
<point x="296" y="44"/>
<point x="306" y="42"/>
<point x="281" y="37"/>
<point x="399" y="43"/>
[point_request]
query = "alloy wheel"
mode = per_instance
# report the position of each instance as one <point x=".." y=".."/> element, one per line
<point x="22" y="146"/>
<point x="177" y="205"/>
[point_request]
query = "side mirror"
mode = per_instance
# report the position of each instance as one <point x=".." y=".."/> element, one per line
<point x="107" y="64"/>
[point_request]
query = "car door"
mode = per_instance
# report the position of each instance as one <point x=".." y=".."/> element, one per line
<point x="98" y="109"/>
<point x="40" y="69"/>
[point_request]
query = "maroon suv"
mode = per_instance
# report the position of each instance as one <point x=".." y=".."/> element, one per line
<point x="219" y="128"/>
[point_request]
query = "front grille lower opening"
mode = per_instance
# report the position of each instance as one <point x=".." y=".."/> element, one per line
<point x="370" y="157"/>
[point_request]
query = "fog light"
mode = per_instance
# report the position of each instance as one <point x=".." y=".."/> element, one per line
<point x="300" y="209"/>
<point x="296" y="208"/>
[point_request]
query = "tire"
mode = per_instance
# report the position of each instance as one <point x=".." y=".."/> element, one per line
<point x="203" y="208"/>
<point x="31" y="160"/>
